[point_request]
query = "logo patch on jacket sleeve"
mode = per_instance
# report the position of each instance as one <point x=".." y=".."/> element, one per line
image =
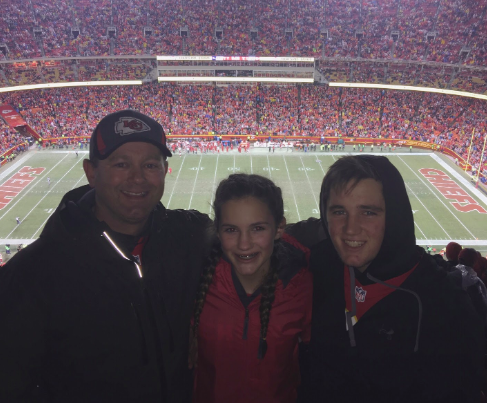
<point x="360" y="294"/>
<point x="129" y="125"/>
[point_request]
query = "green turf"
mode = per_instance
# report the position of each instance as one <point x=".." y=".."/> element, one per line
<point x="194" y="178"/>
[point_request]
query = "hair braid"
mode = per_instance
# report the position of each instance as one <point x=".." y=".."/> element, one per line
<point x="268" y="289"/>
<point x="205" y="282"/>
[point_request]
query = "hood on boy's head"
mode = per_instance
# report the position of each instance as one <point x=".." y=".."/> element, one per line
<point x="399" y="239"/>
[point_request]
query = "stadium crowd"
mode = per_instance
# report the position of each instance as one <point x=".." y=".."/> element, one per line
<point x="270" y="110"/>
<point x="468" y="267"/>
<point x="10" y="138"/>
<point x="426" y="30"/>
<point x="34" y="72"/>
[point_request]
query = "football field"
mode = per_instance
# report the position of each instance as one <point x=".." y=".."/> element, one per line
<point x="446" y="205"/>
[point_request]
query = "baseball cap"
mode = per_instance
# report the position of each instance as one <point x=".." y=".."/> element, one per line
<point x="126" y="126"/>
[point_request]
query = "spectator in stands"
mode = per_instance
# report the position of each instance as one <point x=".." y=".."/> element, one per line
<point x="457" y="24"/>
<point x="253" y="307"/>
<point x="261" y="110"/>
<point x="465" y="276"/>
<point x="112" y="323"/>
<point x="409" y="334"/>
<point x="452" y="251"/>
<point x="480" y="267"/>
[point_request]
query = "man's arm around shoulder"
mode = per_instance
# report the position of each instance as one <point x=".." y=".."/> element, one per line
<point x="308" y="232"/>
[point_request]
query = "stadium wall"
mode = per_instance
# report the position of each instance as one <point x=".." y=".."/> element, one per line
<point x="10" y="151"/>
<point x="308" y="139"/>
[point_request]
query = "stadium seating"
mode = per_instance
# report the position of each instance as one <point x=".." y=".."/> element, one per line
<point x="426" y="30"/>
<point x="427" y="43"/>
<point x="446" y="33"/>
<point x="9" y="138"/>
<point x="268" y="110"/>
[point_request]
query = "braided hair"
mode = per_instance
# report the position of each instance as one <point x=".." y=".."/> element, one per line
<point x="235" y="187"/>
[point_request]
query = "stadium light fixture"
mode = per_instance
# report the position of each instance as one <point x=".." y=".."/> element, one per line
<point x="409" y="88"/>
<point x="236" y="79"/>
<point x="70" y="84"/>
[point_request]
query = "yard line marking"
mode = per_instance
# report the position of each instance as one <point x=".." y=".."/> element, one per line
<point x="35" y="184"/>
<point x="310" y="185"/>
<point x="50" y="214"/>
<point x="434" y="192"/>
<point x="269" y="168"/>
<point x="420" y="230"/>
<point x="194" y="184"/>
<point x="214" y="184"/>
<point x="176" y="181"/>
<point x="292" y="190"/>
<point x="251" y="168"/>
<point x="43" y="197"/>
<point x="321" y="166"/>
<point x="432" y="216"/>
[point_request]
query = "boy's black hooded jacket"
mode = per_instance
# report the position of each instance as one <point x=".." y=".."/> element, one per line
<point x="421" y="343"/>
<point x="80" y="324"/>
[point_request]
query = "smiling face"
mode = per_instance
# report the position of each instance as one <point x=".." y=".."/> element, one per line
<point x="356" y="219"/>
<point x="128" y="185"/>
<point x="247" y="233"/>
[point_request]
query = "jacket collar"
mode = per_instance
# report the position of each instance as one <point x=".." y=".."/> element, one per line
<point x="74" y="217"/>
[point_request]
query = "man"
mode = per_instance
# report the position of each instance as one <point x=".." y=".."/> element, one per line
<point x="388" y="326"/>
<point x="106" y="319"/>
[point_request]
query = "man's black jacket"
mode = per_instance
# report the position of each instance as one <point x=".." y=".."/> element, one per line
<point x="80" y="324"/>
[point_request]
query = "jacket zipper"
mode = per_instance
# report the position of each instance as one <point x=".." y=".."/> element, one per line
<point x="114" y="246"/>
<point x="143" y="344"/>
<point x="246" y="324"/>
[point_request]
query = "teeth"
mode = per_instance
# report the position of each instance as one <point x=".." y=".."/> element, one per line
<point x="247" y="256"/>
<point x="133" y="193"/>
<point x="354" y="244"/>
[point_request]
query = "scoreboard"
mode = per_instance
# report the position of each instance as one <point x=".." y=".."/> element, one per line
<point x="236" y="69"/>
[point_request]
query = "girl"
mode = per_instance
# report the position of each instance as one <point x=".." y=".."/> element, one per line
<point x="254" y="301"/>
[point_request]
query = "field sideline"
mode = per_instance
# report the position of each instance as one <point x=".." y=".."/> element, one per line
<point x="194" y="178"/>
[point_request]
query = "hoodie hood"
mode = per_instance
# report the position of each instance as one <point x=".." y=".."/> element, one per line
<point x="398" y="252"/>
<point x="70" y="220"/>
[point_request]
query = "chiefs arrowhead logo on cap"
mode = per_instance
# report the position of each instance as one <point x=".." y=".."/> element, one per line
<point x="129" y="125"/>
